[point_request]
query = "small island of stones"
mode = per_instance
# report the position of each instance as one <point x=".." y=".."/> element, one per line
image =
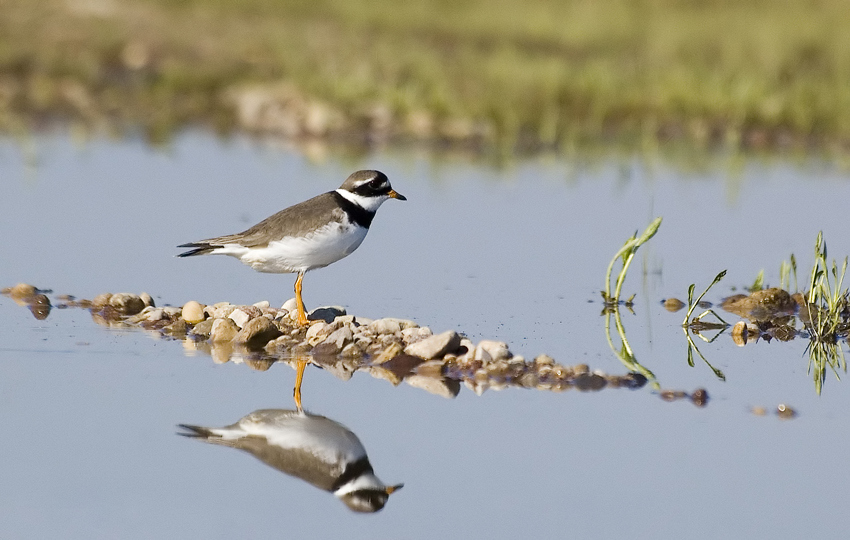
<point x="394" y="349"/>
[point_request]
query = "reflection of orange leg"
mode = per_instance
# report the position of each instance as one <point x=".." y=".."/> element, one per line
<point x="296" y="392"/>
<point x="299" y="303"/>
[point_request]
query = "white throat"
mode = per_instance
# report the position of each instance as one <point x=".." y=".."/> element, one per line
<point x="364" y="481"/>
<point x="367" y="203"/>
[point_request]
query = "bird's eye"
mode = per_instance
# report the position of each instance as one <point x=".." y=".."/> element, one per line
<point x="376" y="183"/>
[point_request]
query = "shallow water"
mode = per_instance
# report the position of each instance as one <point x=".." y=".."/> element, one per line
<point x="519" y="254"/>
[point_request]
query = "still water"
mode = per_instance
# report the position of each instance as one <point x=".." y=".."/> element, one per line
<point x="89" y="414"/>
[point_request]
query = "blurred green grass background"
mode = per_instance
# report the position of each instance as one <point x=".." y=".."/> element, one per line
<point x="520" y="75"/>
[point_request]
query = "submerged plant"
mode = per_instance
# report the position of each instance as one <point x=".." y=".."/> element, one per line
<point x="626" y="253"/>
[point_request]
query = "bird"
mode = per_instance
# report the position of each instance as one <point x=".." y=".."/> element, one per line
<point x="313" y="448"/>
<point x="309" y="235"/>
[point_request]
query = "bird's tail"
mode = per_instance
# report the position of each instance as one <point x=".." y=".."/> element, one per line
<point x="199" y="248"/>
<point x="196" y="432"/>
<point x="207" y="435"/>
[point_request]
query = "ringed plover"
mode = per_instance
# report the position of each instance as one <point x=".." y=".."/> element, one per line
<point x="308" y="235"/>
<point x="313" y="448"/>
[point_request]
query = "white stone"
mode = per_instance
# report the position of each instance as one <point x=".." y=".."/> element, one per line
<point x="385" y="326"/>
<point x="435" y="346"/>
<point x="239" y="317"/>
<point x="482" y="355"/>
<point x="314" y="330"/>
<point x="223" y="330"/>
<point x="498" y="350"/>
<point x="193" y="312"/>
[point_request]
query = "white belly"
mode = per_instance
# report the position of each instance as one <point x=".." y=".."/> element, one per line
<point x="299" y="254"/>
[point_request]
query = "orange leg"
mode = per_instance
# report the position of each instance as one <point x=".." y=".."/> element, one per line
<point x="296" y="392"/>
<point x="299" y="303"/>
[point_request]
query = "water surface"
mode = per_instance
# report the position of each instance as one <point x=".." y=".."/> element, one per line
<point x="516" y="254"/>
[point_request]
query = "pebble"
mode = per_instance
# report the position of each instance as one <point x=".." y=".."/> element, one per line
<point x="339" y="338"/>
<point x="290" y="305"/>
<point x="740" y="333"/>
<point x="785" y="412"/>
<point x="257" y="332"/>
<point x="147" y="299"/>
<point x="385" y="326"/>
<point x="203" y="328"/>
<point x="673" y="304"/>
<point x="391" y="325"/>
<point x="176" y="329"/>
<point x="127" y="303"/>
<point x="151" y="314"/>
<point x="412" y="335"/>
<point x="222" y="310"/>
<point x="315" y="334"/>
<point x="326" y="313"/>
<point x="223" y="330"/>
<point x="590" y="382"/>
<point x="239" y="317"/>
<point x="347" y="319"/>
<point x="465" y="351"/>
<point x="498" y="350"/>
<point x="264" y="304"/>
<point x="435" y="346"/>
<point x="193" y="312"/>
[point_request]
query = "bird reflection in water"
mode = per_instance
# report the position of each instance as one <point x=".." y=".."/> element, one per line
<point x="313" y="448"/>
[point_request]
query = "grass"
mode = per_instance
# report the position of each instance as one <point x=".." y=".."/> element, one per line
<point x="507" y="74"/>
<point x="612" y="301"/>
<point x="626" y="254"/>
<point x="696" y="324"/>
<point x="827" y="316"/>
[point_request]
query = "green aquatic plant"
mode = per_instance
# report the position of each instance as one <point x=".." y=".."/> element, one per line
<point x="758" y="284"/>
<point x="696" y="324"/>
<point x="692" y="304"/>
<point x="786" y="270"/>
<point x="826" y="316"/>
<point x="626" y="254"/>
<point x="612" y="301"/>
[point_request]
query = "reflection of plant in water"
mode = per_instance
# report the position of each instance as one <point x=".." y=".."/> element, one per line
<point x="826" y="317"/>
<point x="612" y="302"/>
<point x="625" y="353"/>
<point x="697" y="324"/>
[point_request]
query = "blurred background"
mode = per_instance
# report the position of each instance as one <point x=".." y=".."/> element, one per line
<point x="495" y="77"/>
